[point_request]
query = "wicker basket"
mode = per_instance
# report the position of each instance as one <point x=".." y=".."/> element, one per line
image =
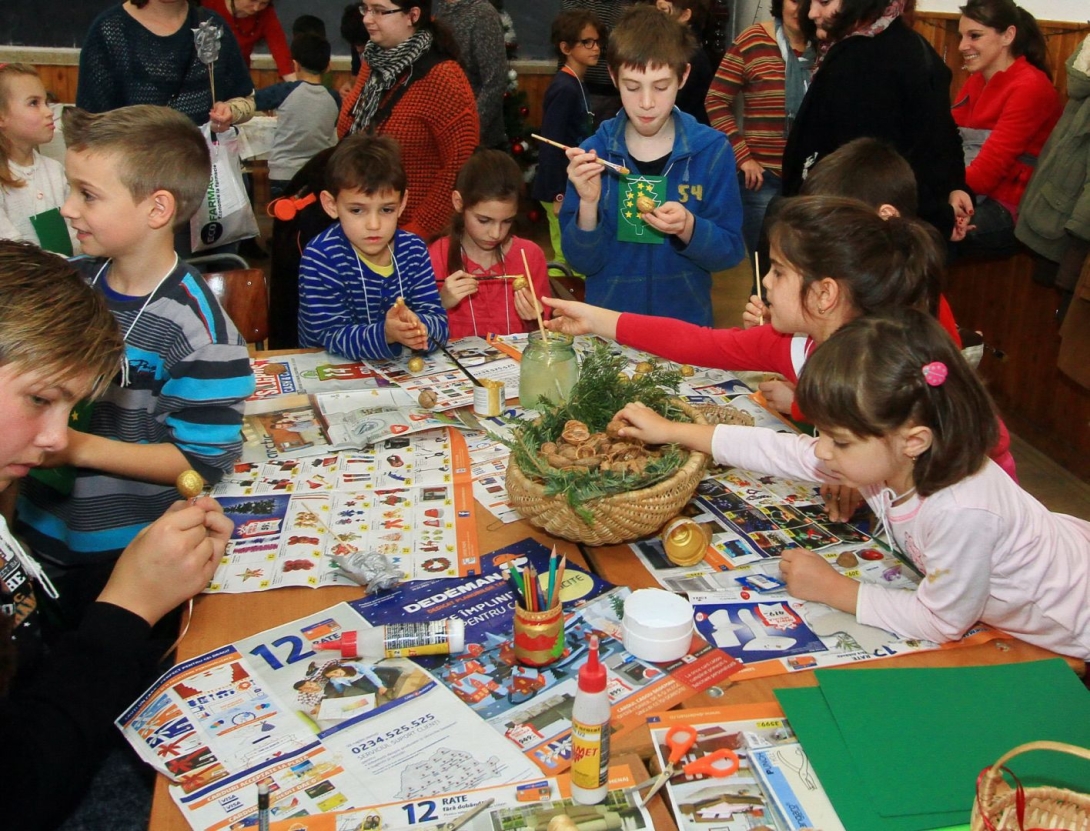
<point x="618" y="518"/>
<point x="996" y="807"/>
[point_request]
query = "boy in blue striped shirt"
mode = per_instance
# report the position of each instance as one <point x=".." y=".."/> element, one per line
<point x="137" y="174"/>
<point x="353" y="273"/>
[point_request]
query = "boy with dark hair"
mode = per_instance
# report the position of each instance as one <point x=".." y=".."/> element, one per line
<point x="366" y="288"/>
<point x="306" y="111"/>
<point x="577" y="37"/>
<point x="649" y="238"/>
<point x="137" y="174"/>
<point x="869" y="170"/>
<point x="59" y="344"/>
<point x="308" y="24"/>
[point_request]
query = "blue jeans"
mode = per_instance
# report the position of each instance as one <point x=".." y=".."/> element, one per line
<point x="754" y="205"/>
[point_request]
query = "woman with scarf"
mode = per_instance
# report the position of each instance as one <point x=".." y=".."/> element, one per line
<point x="410" y="87"/>
<point x="769" y="64"/>
<point x="877" y="77"/>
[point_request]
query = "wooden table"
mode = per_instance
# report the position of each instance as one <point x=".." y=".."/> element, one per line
<point x="223" y="618"/>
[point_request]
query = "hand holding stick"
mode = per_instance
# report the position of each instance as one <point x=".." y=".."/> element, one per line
<point x="533" y="297"/>
<point x="616" y="168"/>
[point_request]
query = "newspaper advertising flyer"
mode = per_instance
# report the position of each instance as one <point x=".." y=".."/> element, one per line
<point x="310" y="372"/>
<point x="331" y="733"/>
<point x="526" y="806"/>
<point x="774" y="787"/>
<point x="410" y="498"/>
<point x="531" y="706"/>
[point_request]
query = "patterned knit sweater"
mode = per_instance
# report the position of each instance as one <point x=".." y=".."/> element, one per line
<point x="343" y="303"/>
<point x="249" y="31"/>
<point x="188" y="376"/>
<point x="435" y="122"/>
<point x="477" y="28"/>
<point x="123" y="63"/>
<point x="753" y="68"/>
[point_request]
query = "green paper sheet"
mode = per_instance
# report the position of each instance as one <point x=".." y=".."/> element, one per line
<point x="813" y="723"/>
<point x="938" y="728"/>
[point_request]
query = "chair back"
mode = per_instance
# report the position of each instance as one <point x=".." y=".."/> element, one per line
<point x="244" y="295"/>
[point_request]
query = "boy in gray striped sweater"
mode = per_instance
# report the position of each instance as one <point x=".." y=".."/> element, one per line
<point x="366" y="288"/>
<point x="137" y="174"/>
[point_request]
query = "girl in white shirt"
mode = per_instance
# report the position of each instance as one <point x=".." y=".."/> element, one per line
<point x="903" y="418"/>
<point x="32" y="186"/>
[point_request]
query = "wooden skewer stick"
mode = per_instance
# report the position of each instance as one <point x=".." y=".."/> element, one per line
<point x="757" y="273"/>
<point x="617" y="168"/>
<point x="533" y="298"/>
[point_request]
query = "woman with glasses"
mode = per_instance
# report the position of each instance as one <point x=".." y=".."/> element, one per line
<point x="251" y="22"/>
<point x="411" y="87"/>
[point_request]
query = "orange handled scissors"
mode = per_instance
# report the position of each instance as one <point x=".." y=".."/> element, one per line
<point x="680" y="740"/>
<point x="723" y="762"/>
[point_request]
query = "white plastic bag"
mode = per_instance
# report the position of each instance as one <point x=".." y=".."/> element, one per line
<point x="225" y="215"/>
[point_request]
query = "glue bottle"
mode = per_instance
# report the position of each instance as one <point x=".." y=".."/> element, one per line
<point x="401" y="640"/>
<point x="590" y="732"/>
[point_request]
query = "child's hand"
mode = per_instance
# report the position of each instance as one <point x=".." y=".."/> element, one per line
<point x="585" y="173"/>
<point x="647" y="425"/>
<point x="672" y="218"/>
<point x="220" y="117"/>
<point x="755" y="313"/>
<point x="841" y="501"/>
<point x="404" y="327"/>
<point x="574" y="318"/>
<point x="810" y="577"/>
<point x="170" y="560"/>
<point x="524" y="303"/>
<point x="780" y="395"/>
<point x="456" y="287"/>
<point x="754" y="174"/>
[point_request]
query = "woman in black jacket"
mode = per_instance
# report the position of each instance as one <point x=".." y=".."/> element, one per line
<point x="876" y="77"/>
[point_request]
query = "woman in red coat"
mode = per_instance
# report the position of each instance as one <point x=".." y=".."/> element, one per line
<point x="1005" y="112"/>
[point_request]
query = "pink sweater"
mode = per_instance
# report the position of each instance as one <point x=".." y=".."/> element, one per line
<point x="989" y="551"/>
<point x="1020" y="106"/>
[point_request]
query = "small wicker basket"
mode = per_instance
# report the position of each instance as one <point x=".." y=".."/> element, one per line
<point x="618" y="518"/>
<point x="1057" y="809"/>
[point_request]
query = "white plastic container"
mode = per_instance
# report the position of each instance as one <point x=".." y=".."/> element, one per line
<point x="658" y="625"/>
<point x="590" y="732"/>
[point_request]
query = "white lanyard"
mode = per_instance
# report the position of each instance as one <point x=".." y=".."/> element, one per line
<point x="147" y="300"/>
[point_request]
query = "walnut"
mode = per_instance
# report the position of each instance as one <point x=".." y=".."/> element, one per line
<point x="575" y="432"/>
<point x="428" y="399"/>
<point x="520" y="283"/>
<point x="645" y="204"/>
<point x="416" y="364"/>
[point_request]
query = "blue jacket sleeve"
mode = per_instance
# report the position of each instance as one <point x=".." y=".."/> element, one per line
<point x="271" y="97"/>
<point x="587" y="251"/>
<point x="424" y="295"/>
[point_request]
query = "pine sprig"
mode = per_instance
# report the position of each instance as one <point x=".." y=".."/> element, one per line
<point x="598" y="395"/>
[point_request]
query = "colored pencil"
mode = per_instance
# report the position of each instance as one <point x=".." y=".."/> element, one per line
<point x="556" y="601"/>
<point x="552" y="579"/>
<point x="516" y="577"/>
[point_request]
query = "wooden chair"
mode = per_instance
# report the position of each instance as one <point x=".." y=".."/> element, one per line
<point x="567" y="286"/>
<point x="244" y="295"/>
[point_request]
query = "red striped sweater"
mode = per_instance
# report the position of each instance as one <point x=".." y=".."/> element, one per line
<point x="754" y="68"/>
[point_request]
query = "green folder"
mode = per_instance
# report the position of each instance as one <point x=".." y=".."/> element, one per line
<point x="52" y="232"/>
<point x="900" y="749"/>
<point x="816" y="728"/>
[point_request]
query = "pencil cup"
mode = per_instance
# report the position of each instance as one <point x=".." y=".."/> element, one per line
<point x="539" y="636"/>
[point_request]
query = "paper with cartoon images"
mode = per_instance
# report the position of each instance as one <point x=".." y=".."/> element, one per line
<point x="409" y="498"/>
<point x="332" y="733"/>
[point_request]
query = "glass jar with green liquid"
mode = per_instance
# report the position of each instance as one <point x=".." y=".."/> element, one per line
<point x="549" y="368"/>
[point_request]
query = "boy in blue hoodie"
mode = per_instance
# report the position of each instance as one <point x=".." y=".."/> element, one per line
<point x="648" y="238"/>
